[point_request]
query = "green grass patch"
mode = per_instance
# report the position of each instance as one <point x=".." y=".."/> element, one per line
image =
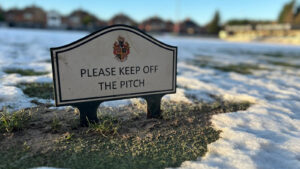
<point x="108" y="126"/>
<point x="14" y="121"/>
<point x="241" y="68"/>
<point x="55" y="124"/>
<point x="39" y="90"/>
<point x="277" y="54"/>
<point x="274" y="54"/>
<point x="201" y="62"/>
<point x="285" y="64"/>
<point x="25" y="72"/>
<point x="238" y="68"/>
<point x="120" y="142"/>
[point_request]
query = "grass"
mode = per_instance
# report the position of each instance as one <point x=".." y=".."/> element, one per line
<point x="39" y="90"/>
<point x="275" y="54"/>
<point x="241" y="68"/>
<point x="108" y="126"/>
<point x="122" y="140"/>
<point x="238" y="68"/>
<point x="55" y="124"/>
<point x="202" y="61"/>
<point x="25" y="72"/>
<point x="16" y="121"/>
<point x="285" y="64"/>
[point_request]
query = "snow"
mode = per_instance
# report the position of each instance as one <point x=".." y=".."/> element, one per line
<point x="267" y="135"/>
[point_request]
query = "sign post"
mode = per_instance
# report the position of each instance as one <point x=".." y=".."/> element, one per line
<point x="116" y="62"/>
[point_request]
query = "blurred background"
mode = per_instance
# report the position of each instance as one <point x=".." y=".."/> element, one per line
<point x="276" y="21"/>
<point x="224" y="43"/>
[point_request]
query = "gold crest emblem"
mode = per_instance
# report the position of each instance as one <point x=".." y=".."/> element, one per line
<point x="121" y="49"/>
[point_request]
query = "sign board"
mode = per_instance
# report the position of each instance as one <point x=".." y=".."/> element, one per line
<point x="116" y="62"/>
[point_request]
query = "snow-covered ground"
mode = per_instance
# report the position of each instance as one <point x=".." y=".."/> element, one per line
<point x="267" y="135"/>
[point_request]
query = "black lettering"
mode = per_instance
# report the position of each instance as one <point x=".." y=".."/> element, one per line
<point x="132" y="83"/>
<point x="135" y="83"/>
<point x="107" y="71"/>
<point x="139" y="83"/>
<point x="146" y="69"/>
<point x="142" y="83"/>
<point x="127" y="69"/>
<point x="101" y="84"/>
<point x="122" y="83"/>
<point x="88" y="72"/>
<point x="94" y="71"/>
<point x="108" y="85"/>
<point x="138" y="69"/>
<point x="151" y="69"/>
<point x="82" y="72"/>
<point x="101" y="72"/>
<point x="121" y="70"/>
<point x="113" y="71"/>
<point x="114" y="85"/>
<point x="132" y="70"/>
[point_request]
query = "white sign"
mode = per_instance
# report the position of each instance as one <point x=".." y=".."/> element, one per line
<point x="114" y="63"/>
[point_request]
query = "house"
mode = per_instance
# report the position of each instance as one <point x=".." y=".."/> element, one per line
<point x="14" y="17"/>
<point x="2" y="19"/>
<point x="169" y="26"/>
<point x="82" y="20"/>
<point x="153" y="24"/>
<point x="54" y="19"/>
<point x="74" y="19"/>
<point x="239" y="28"/>
<point x="297" y="18"/>
<point x="32" y="16"/>
<point x="273" y="27"/>
<point x="187" y="26"/>
<point x="122" y="19"/>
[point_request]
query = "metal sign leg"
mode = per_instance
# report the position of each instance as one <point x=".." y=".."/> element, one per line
<point x="88" y="112"/>
<point x="153" y="106"/>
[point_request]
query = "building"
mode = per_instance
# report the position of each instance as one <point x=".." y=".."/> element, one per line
<point x="286" y="33"/>
<point x="82" y="20"/>
<point x="33" y="17"/>
<point x="273" y="27"/>
<point x="240" y="28"/>
<point x="154" y="24"/>
<point x="13" y="17"/>
<point x="188" y="27"/>
<point x="54" y="19"/>
<point x="297" y="17"/>
<point x="74" y="20"/>
<point x="122" y="19"/>
<point x="169" y="26"/>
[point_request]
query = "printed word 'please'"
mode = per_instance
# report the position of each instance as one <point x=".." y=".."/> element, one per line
<point x="122" y="71"/>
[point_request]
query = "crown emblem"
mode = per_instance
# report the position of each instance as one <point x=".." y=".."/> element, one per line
<point x="121" y="49"/>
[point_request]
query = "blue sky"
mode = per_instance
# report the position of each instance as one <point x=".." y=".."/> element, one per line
<point x="199" y="10"/>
